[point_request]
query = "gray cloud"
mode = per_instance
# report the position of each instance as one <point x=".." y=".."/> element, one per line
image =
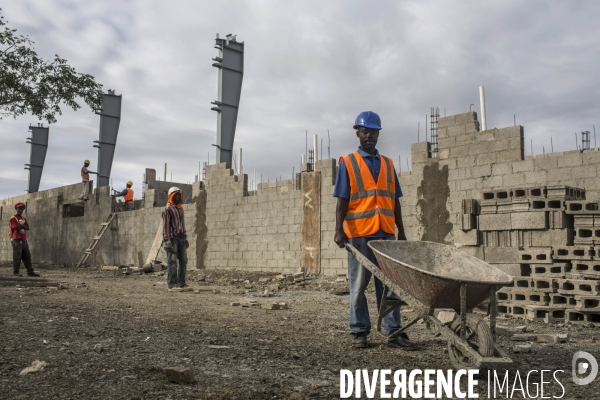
<point x="309" y="66"/>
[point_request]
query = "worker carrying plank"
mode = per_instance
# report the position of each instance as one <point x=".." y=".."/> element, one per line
<point x="127" y="195"/>
<point x="175" y="241"/>
<point x="18" y="238"/>
<point x="85" y="178"/>
<point x="367" y="191"/>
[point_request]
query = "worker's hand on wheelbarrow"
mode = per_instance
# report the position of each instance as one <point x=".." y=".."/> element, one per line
<point x="340" y="238"/>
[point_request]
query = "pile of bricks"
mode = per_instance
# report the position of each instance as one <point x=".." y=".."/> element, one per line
<point x="548" y="239"/>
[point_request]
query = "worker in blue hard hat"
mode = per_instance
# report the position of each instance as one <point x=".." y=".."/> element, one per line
<point x="368" y="208"/>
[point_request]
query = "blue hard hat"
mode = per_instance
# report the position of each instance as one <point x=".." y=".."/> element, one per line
<point x="368" y="119"/>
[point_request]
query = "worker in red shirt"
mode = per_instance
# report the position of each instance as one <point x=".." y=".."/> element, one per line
<point x="18" y="225"/>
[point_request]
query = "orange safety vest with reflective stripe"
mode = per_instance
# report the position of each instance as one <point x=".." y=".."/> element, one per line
<point x="128" y="196"/>
<point x="371" y="204"/>
<point x="84" y="175"/>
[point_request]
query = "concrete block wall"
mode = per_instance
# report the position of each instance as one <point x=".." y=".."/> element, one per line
<point x="56" y="239"/>
<point x="259" y="232"/>
<point x="470" y="162"/>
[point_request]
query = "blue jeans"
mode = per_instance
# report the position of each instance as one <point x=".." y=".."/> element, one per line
<point x="130" y="206"/>
<point x="359" y="277"/>
<point x="176" y="275"/>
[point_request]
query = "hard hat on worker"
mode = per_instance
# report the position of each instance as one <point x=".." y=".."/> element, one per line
<point x="368" y="119"/>
<point x="172" y="190"/>
<point x="20" y="205"/>
<point x="130" y="183"/>
<point x="86" y="162"/>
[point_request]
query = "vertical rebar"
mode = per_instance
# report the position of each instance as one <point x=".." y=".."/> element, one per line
<point x="515" y="119"/>
<point x="551" y="145"/>
<point x="463" y="311"/>
<point x="576" y="142"/>
<point x="594" y="126"/>
<point x="328" y="145"/>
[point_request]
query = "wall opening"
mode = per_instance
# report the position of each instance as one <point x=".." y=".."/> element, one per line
<point x="73" y="210"/>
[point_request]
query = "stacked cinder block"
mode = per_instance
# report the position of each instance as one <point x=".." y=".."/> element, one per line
<point x="548" y="238"/>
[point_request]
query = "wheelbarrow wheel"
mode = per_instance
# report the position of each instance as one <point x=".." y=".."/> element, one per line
<point x="479" y="337"/>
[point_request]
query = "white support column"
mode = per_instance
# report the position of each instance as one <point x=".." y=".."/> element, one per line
<point x="482" y="103"/>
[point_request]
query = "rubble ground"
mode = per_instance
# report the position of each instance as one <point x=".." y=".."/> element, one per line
<point x="104" y="336"/>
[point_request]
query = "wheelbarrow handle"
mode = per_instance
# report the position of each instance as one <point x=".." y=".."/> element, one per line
<point x="360" y="257"/>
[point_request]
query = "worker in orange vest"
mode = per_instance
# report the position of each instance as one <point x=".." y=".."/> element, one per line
<point x="85" y="178"/>
<point x="368" y="208"/>
<point x="127" y="195"/>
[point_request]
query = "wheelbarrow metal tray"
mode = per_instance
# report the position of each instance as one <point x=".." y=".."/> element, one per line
<point x="432" y="272"/>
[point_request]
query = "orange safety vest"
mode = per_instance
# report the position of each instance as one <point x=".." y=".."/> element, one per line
<point x="371" y="204"/>
<point x="129" y="196"/>
<point x="84" y="176"/>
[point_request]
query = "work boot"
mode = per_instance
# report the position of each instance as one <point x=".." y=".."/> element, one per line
<point x="402" y="342"/>
<point x="33" y="273"/>
<point x="360" y="340"/>
<point x="16" y="274"/>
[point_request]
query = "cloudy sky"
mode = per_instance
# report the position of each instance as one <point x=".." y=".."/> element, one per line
<point x="309" y="65"/>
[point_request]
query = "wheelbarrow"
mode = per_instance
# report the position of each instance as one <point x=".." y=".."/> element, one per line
<point x="429" y="276"/>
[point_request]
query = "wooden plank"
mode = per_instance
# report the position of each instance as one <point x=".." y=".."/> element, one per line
<point x="156" y="244"/>
<point x="311" y="222"/>
<point x="30" y="284"/>
<point x="22" y="279"/>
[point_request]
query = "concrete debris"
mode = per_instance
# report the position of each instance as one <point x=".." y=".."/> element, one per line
<point x="216" y="346"/>
<point x="521" y="328"/>
<point x="341" y="279"/>
<point x="277" y="306"/>
<point x="341" y="291"/>
<point x="273" y="288"/>
<point x="264" y="280"/>
<point x="108" y="268"/>
<point x="524" y="337"/>
<point x="235" y="303"/>
<point x="553" y="338"/>
<point x="36" y="366"/>
<point x="179" y="375"/>
<point x="98" y="348"/>
<point x="522" y="348"/>
<point x="502" y="330"/>
<point x="446" y="316"/>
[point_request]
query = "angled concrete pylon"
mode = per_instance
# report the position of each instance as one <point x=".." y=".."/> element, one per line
<point x="110" y="118"/>
<point x="37" y="156"/>
<point x="231" y="72"/>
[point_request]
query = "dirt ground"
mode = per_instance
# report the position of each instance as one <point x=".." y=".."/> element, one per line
<point x="110" y="337"/>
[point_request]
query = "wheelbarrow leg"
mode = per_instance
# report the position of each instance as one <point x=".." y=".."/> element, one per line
<point x="463" y="311"/>
<point x="493" y="311"/>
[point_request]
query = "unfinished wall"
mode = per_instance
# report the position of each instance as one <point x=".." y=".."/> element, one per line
<point x="55" y="237"/>
<point x="231" y="227"/>
<point x="479" y="161"/>
<point x="262" y="229"/>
